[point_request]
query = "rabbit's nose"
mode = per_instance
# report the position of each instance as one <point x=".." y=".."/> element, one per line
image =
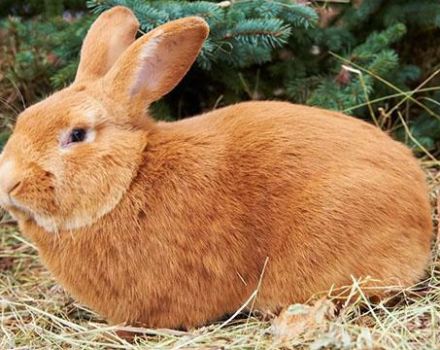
<point x="9" y="180"/>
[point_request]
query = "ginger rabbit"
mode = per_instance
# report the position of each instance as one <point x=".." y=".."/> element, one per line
<point x="170" y="224"/>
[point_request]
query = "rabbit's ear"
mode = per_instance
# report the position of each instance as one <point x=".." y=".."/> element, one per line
<point x="155" y="63"/>
<point x="109" y="36"/>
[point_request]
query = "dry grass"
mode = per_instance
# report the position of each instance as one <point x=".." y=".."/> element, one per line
<point x="36" y="313"/>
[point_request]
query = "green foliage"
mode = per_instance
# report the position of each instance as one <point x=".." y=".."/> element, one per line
<point x="27" y="60"/>
<point x="35" y="57"/>
<point x="29" y="8"/>
<point x="242" y="34"/>
<point x="359" y="58"/>
<point x="67" y="47"/>
<point x="375" y="56"/>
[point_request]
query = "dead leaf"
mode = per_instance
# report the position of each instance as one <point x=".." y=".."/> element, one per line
<point x="300" y="320"/>
<point x="6" y="263"/>
<point x="343" y="77"/>
<point x="327" y="15"/>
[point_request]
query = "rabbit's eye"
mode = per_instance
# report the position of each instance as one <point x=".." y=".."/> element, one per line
<point x="77" y="135"/>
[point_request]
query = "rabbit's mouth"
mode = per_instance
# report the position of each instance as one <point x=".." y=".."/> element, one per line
<point x="22" y="213"/>
<point x="17" y="211"/>
<point x="51" y="223"/>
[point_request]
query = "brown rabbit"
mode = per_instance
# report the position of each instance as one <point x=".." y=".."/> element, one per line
<point x="170" y="224"/>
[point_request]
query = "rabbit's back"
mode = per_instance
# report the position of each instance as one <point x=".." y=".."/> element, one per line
<point x="323" y="196"/>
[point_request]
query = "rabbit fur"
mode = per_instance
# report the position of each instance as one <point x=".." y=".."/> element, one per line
<point x="174" y="224"/>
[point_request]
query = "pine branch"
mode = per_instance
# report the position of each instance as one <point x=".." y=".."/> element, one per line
<point x="242" y="33"/>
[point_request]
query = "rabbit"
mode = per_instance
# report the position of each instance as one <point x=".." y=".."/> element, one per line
<point x="176" y="224"/>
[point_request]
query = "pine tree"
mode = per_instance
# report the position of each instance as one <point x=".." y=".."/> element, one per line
<point x="347" y="57"/>
<point x="242" y="33"/>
